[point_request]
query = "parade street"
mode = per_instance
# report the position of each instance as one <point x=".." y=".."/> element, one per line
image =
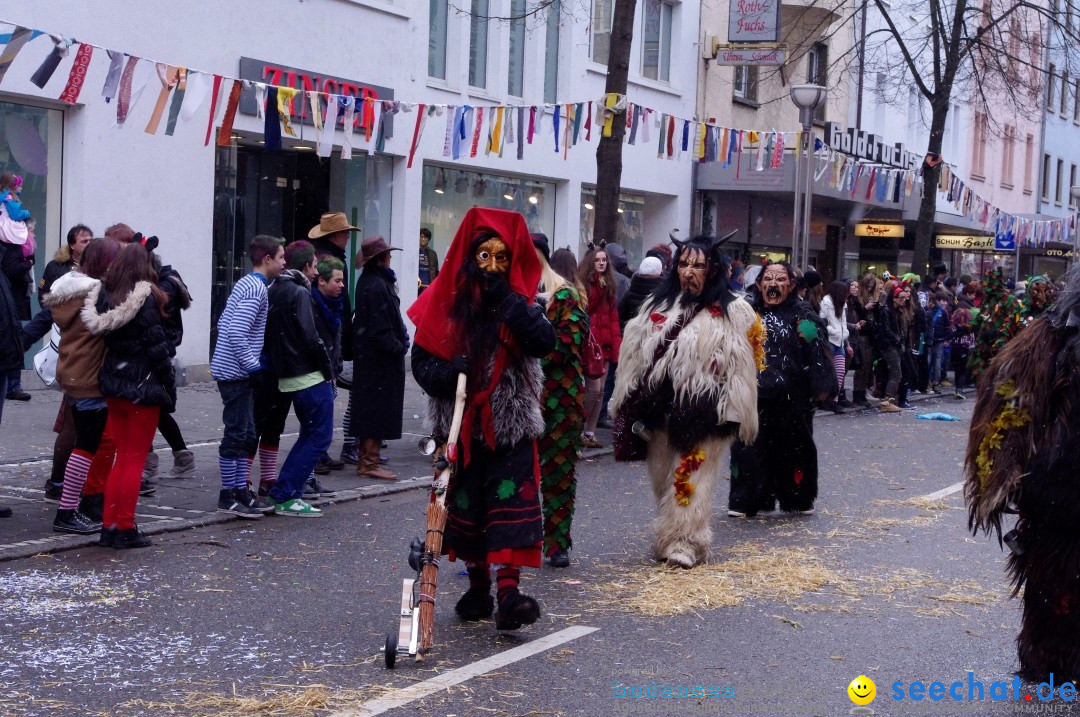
<point x="283" y="617"/>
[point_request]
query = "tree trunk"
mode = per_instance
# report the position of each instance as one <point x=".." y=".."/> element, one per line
<point x="609" y="149"/>
<point x="924" y="229"/>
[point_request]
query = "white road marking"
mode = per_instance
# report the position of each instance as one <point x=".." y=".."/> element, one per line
<point x="421" y="690"/>
<point x="939" y="494"/>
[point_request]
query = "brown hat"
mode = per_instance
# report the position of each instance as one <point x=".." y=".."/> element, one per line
<point x="331" y="223"/>
<point x="373" y="247"/>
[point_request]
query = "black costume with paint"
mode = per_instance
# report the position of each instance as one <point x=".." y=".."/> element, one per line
<point x="781" y="465"/>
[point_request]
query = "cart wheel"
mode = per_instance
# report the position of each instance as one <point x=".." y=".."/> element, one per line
<point x="390" y="650"/>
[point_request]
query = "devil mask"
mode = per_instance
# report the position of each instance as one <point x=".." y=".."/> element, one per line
<point x="775" y="284"/>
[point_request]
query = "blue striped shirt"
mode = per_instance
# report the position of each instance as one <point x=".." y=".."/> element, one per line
<point x="241" y="329"/>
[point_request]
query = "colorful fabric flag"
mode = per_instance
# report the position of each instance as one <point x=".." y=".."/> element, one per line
<point x="77" y="76"/>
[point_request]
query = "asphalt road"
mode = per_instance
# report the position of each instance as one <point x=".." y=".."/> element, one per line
<point x="288" y="617"/>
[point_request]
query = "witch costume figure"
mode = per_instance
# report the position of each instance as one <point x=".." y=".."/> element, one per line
<point x="477" y="317"/>
<point x="1022" y="454"/>
<point x="1000" y="318"/>
<point x="686" y="385"/>
<point x="781" y="465"/>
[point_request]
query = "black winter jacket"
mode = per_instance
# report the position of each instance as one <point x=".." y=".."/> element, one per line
<point x="11" y="342"/>
<point x="325" y="247"/>
<point x="174" y="287"/>
<point x="61" y="264"/>
<point x="137" y="366"/>
<point x="292" y="340"/>
<point x="17" y="269"/>
<point x="640" y="289"/>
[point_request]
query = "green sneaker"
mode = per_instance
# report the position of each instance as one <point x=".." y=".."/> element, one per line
<point x="297" y="508"/>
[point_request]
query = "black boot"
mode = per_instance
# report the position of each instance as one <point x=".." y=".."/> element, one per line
<point x="108" y="537"/>
<point x="842" y="400"/>
<point x="72" y="521"/>
<point x="516" y="610"/>
<point x="93" y="506"/>
<point x="126" y="539"/>
<point x="475" y="604"/>
<point x="5" y="512"/>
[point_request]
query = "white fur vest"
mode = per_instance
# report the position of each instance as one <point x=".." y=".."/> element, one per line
<point x="712" y="356"/>
<point x="515" y="405"/>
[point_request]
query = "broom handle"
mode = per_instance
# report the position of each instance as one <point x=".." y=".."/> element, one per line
<point x="459" y="410"/>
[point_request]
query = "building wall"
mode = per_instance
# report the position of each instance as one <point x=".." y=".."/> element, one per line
<point x="1061" y="128"/>
<point x="165" y="185"/>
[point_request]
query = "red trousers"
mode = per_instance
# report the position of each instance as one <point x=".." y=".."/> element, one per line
<point x="131" y="428"/>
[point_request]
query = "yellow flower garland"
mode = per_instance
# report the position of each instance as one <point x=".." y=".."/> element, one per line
<point x="756" y="334"/>
<point x="1010" y="417"/>
<point x="689" y="463"/>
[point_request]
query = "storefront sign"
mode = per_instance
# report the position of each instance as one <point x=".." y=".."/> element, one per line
<point x="754" y="21"/>
<point x="892" y="231"/>
<point x="1058" y="253"/>
<point x="284" y="76"/>
<point x="864" y="145"/>
<point x="959" y="241"/>
<point x="750" y="57"/>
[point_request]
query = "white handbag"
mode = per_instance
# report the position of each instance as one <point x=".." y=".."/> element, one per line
<point x="45" y="359"/>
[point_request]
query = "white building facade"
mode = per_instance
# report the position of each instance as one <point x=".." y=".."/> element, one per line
<point x="207" y="202"/>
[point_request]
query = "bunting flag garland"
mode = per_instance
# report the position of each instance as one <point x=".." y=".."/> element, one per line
<point x="77" y="76"/>
<point x="696" y="140"/>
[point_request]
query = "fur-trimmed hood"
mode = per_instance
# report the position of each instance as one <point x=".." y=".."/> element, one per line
<point x="63" y="254"/>
<point x="116" y="317"/>
<point x="72" y="285"/>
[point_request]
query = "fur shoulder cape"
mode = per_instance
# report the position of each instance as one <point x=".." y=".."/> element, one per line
<point x="116" y="317"/>
<point x="715" y="356"/>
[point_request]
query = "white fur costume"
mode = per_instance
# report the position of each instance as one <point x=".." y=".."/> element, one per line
<point x="711" y="357"/>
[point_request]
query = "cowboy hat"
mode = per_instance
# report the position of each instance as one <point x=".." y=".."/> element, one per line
<point x="331" y="223"/>
<point x="373" y="247"/>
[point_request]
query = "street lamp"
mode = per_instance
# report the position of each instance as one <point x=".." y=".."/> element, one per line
<point x="807" y="98"/>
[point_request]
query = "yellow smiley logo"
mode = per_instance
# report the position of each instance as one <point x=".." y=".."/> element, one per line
<point x="862" y="690"/>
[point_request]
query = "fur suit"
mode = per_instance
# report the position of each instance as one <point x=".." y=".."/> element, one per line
<point x="694" y="398"/>
<point x="1022" y="453"/>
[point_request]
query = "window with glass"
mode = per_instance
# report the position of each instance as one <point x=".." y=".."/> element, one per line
<point x="478" y="44"/>
<point x="745" y="84"/>
<point x="817" y="72"/>
<point x="449" y="192"/>
<point x="1050" y="82"/>
<point x="516" y="76"/>
<point x="656" y="40"/>
<point x="1060" y="181"/>
<point x="630" y="233"/>
<point x="1009" y="149"/>
<point x="1064" y="94"/>
<point x="551" y="52"/>
<point x="31" y="146"/>
<point x="1073" y="201"/>
<point x="601" y="30"/>
<point x="437" y="24"/>
<point x="1046" y="178"/>
<point x="1029" y="159"/>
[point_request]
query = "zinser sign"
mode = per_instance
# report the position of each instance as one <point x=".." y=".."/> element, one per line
<point x="284" y="76"/>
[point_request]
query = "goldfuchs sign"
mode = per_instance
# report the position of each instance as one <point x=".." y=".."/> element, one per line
<point x="283" y="76"/>
<point x="892" y="231"/>
<point x="961" y="241"/>
<point x="871" y="147"/>
<point x="739" y="56"/>
<point x="753" y="21"/>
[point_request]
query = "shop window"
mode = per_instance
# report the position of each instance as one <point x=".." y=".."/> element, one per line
<point x="478" y="44"/>
<point x="516" y="74"/>
<point x="745" y="84"/>
<point x="601" y="30"/>
<point x="551" y="52"/>
<point x="630" y="232"/>
<point x="31" y="143"/>
<point x="437" y="26"/>
<point x="448" y="193"/>
<point x="656" y="40"/>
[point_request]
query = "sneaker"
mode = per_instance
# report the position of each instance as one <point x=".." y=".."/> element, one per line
<point x="350" y="456"/>
<point x="297" y="508"/>
<point x="92" y="506"/>
<point x="330" y="463"/>
<point x="53" y="491"/>
<point x="907" y="406"/>
<point x="959" y="396"/>
<point x="888" y="406"/>
<point x="183" y="464"/>
<point x="736" y="514"/>
<point x="150" y="467"/>
<point x="945" y="383"/>
<point x="228" y="502"/>
<point x="248" y="498"/>
<point x="18" y="396"/>
<point x="316" y="489"/>
<point x="72" y="521"/>
<point x="147" y="488"/>
<point x="265" y="487"/>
